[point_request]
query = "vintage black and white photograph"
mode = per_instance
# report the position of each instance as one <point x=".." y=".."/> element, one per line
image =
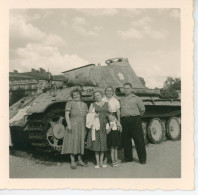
<point x="95" y="93"/>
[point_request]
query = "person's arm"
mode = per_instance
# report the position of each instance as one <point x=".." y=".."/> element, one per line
<point x="67" y="113"/>
<point x="118" y="111"/>
<point x="108" y="128"/>
<point x="118" y="114"/>
<point x="141" y="106"/>
<point x="68" y="120"/>
<point x="91" y="108"/>
<point x="86" y="108"/>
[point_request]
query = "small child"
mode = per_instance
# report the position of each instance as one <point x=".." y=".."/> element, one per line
<point x="113" y="130"/>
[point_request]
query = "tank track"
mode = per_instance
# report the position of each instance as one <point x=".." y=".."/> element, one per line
<point x="43" y="129"/>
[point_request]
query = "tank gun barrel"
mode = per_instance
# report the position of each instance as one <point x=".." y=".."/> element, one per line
<point x="140" y="92"/>
<point x="62" y="78"/>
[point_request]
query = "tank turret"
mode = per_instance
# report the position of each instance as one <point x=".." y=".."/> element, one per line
<point x="116" y="72"/>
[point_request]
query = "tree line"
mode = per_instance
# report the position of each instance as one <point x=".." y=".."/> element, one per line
<point x="170" y="89"/>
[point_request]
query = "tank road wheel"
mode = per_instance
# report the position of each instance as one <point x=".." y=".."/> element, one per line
<point x="144" y="123"/>
<point x="156" y="131"/>
<point x="55" y="134"/>
<point x="173" y="128"/>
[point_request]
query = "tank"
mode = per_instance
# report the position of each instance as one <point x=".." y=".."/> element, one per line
<point x="40" y="119"/>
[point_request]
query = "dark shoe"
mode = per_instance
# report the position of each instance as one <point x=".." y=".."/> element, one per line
<point x="126" y="161"/>
<point x="143" y="163"/>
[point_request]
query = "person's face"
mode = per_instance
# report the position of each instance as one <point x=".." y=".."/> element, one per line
<point x="109" y="92"/>
<point x="76" y="96"/>
<point x="127" y="89"/>
<point x="98" y="96"/>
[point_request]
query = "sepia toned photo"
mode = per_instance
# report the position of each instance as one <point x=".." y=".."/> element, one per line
<point x="97" y="95"/>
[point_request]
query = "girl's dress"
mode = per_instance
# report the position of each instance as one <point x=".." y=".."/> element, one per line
<point x="74" y="141"/>
<point x="100" y="143"/>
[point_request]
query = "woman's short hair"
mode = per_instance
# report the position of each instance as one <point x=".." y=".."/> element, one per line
<point x="109" y="87"/>
<point x="76" y="91"/>
<point x="98" y="91"/>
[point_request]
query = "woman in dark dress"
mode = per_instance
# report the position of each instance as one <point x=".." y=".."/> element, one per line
<point x="99" y="145"/>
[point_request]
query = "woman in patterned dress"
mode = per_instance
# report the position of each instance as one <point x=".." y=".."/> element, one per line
<point x="99" y="145"/>
<point x="74" y="139"/>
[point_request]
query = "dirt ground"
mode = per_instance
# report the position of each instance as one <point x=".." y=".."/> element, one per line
<point x="163" y="161"/>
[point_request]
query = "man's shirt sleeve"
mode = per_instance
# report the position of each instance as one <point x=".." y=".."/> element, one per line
<point x="140" y="104"/>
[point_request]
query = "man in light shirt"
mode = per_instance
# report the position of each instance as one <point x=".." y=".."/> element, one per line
<point x="132" y="109"/>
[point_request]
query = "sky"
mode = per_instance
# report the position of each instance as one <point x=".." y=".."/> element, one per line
<point x="62" y="39"/>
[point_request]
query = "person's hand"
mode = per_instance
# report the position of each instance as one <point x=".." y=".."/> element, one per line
<point x="96" y="115"/>
<point x="69" y="128"/>
<point x="118" y="123"/>
<point x="108" y="131"/>
<point x="120" y="127"/>
<point x="111" y="125"/>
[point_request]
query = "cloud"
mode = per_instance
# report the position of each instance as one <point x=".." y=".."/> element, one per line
<point x="156" y="70"/>
<point x="36" y="55"/>
<point x="153" y="33"/>
<point x="132" y="12"/>
<point x="99" y="12"/>
<point x="22" y="30"/>
<point x="80" y="25"/>
<point x="142" y="28"/>
<point x="130" y="33"/>
<point x="173" y="13"/>
<point x="141" y="22"/>
<point x="80" y="21"/>
<point x="54" y="40"/>
<point x="64" y="22"/>
<point x="97" y="28"/>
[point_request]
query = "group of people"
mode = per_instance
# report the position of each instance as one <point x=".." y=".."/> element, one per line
<point x="110" y="123"/>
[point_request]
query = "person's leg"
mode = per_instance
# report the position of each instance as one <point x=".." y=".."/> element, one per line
<point x="80" y="161"/>
<point x="101" y="157"/>
<point x="73" y="164"/>
<point x="138" y="138"/>
<point x="116" y="154"/>
<point x="126" y="139"/>
<point x="112" y="155"/>
<point x="105" y="158"/>
<point x="79" y="158"/>
<point x="97" y="159"/>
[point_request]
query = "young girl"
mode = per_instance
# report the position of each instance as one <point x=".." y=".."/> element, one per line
<point x="113" y="138"/>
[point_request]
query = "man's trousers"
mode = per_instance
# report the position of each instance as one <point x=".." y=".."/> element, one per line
<point x="132" y="129"/>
